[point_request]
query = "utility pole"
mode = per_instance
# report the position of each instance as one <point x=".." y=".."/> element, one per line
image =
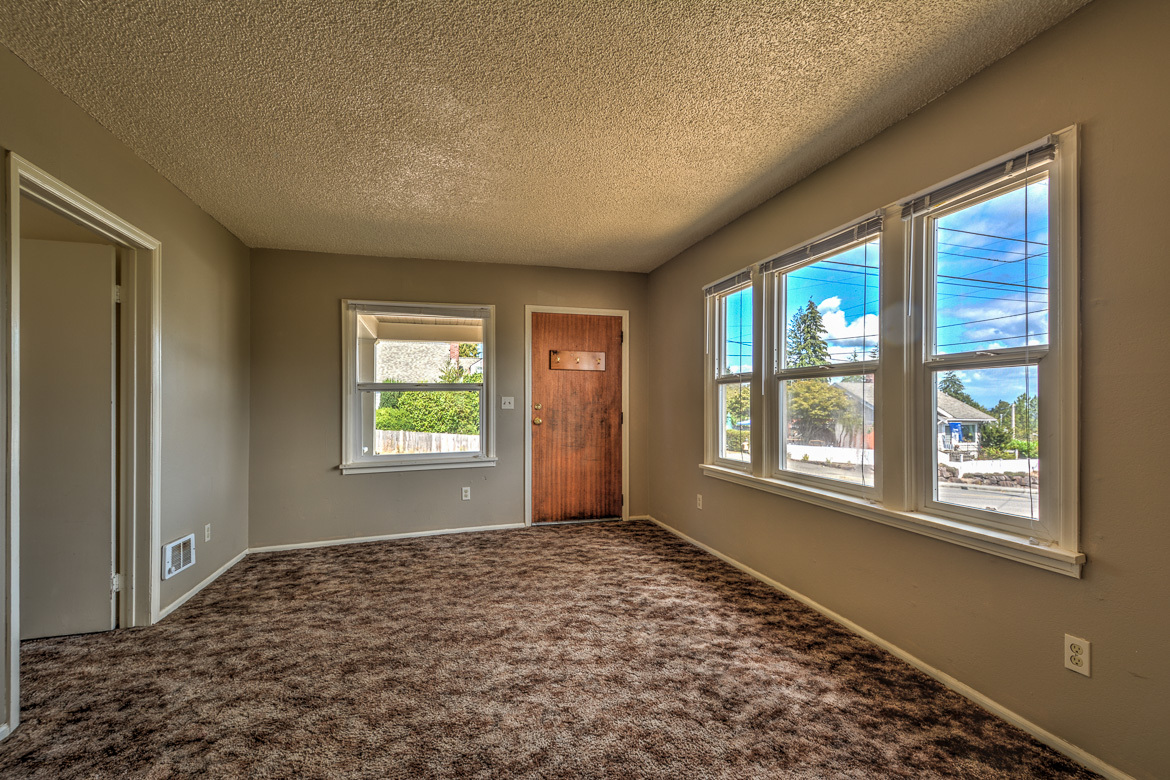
<point x="1013" y="419"/>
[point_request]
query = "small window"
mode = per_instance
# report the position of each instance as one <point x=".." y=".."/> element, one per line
<point x="417" y="383"/>
<point x="730" y="314"/>
<point x="826" y="364"/>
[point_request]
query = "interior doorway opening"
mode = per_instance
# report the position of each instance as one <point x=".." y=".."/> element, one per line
<point x="132" y="332"/>
<point x="69" y="425"/>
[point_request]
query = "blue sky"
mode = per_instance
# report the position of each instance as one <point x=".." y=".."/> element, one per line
<point x="844" y="288"/>
<point x="991" y="292"/>
<point x="992" y="289"/>
<point x="739" y="331"/>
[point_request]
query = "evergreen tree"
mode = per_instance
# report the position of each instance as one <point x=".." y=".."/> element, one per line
<point x="854" y="377"/>
<point x="806" y="338"/>
<point x="953" y="386"/>
<point x="1027" y="417"/>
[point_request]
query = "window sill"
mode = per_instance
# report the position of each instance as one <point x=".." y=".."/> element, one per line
<point x="1015" y="547"/>
<point x="416" y="465"/>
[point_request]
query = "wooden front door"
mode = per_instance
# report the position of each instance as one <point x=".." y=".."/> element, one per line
<point x="576" y="417"/>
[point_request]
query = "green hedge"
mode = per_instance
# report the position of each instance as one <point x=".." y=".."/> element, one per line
<point x="735" y="439"/>
<point x="438" y="412"/>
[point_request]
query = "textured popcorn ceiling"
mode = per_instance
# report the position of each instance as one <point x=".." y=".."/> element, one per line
<point x="589" y="133"/>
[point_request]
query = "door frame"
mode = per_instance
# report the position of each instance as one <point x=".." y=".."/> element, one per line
<point x="139" y="413"/>
<point x="529" y="310"/>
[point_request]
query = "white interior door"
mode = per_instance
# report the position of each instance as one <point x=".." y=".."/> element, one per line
<point x="67" y="438"/>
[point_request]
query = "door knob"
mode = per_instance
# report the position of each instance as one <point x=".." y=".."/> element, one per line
<point x="536" y="421"/>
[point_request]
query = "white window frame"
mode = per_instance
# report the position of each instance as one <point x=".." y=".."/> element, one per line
<point x="716" y="344"/>
<point x="904" y="414"/>
<point x="775" y="324"/>
<point x="353" y="460"/>
<point x="1056" y="363"/>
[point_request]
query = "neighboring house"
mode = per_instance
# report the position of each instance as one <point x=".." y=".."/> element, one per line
<point x="957" y="423"/>
<point x="862" y="437"/>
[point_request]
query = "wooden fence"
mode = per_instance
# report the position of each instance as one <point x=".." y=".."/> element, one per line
<point x="413" y="442"/>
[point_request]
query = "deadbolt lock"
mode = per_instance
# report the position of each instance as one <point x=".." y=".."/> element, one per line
<point x="537" y="407"/>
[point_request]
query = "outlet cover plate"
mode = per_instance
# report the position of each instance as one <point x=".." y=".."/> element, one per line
<point x="1076" y="655"/>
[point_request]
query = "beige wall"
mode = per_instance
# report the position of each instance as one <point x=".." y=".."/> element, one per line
<point x="994" y="624"/>
<point x="298" y="494"/>
<point x="204" y="321"/>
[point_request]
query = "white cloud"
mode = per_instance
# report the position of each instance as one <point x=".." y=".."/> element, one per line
<point x="846" y="337"/>
<point x="829" y="304"/>
<point x="840" y="329"/>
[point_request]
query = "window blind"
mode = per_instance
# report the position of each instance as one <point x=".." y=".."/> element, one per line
<point x="743" y="277"/>
<point x="1012" y="167"/>
<point x="850" y="235"/>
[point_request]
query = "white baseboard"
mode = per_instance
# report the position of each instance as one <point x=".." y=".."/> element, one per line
<point x="181" y="600"/>
<point x="1048" y="738"/>
<point x="383" y="538"/>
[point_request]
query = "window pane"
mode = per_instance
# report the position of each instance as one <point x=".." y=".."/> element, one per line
<point x="735" y="432"/>
<point x="987" y="453"/>
<point x="991" y="265"/>
<point x="429" y="361"/>
<point x="413" y="348"/>
<point x="735" y="312"/>
<point x="831" y="308"/>
<point x="415" y="422"/>
<point x="828" y="425"/>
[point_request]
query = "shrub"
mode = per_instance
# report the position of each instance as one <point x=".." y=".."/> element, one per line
<point x="1028" y="449"/>
<point x="995" y="437"/>
<point x="432" y="413"/>
<point x="736" y="439"/>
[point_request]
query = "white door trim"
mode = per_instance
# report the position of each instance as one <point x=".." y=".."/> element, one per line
<point x="140" y="412"/>
<point x="625" y="315"/>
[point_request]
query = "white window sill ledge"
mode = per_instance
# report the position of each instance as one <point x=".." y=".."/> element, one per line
<point x="428" y="465"/>
<point x="1015" y="547"/>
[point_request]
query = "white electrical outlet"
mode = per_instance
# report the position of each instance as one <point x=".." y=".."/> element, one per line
<point x="1076" y="654"/>
<point x="207" y="532"/>
<point x="507" y="402"/>
<point x="467" y="493"/>
<point x="698" y="501"/>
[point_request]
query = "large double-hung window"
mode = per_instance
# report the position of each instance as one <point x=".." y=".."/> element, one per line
<point x="918" y="366"/>
<point x="823" y="300"/>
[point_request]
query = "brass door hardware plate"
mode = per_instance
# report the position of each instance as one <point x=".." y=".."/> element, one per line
<point x="561" y="360"/>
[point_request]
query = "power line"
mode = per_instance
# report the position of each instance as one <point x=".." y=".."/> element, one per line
<point x="1037" y="313"/>
<point x="986" y="282"/>
<point x="989" y="235"/>
<point x="1000" y="338"/>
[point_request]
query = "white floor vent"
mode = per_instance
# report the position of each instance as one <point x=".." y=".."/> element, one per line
<point x="178" y="555"/>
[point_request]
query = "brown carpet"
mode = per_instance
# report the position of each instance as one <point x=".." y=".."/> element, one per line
<point x="612" y="650"/>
